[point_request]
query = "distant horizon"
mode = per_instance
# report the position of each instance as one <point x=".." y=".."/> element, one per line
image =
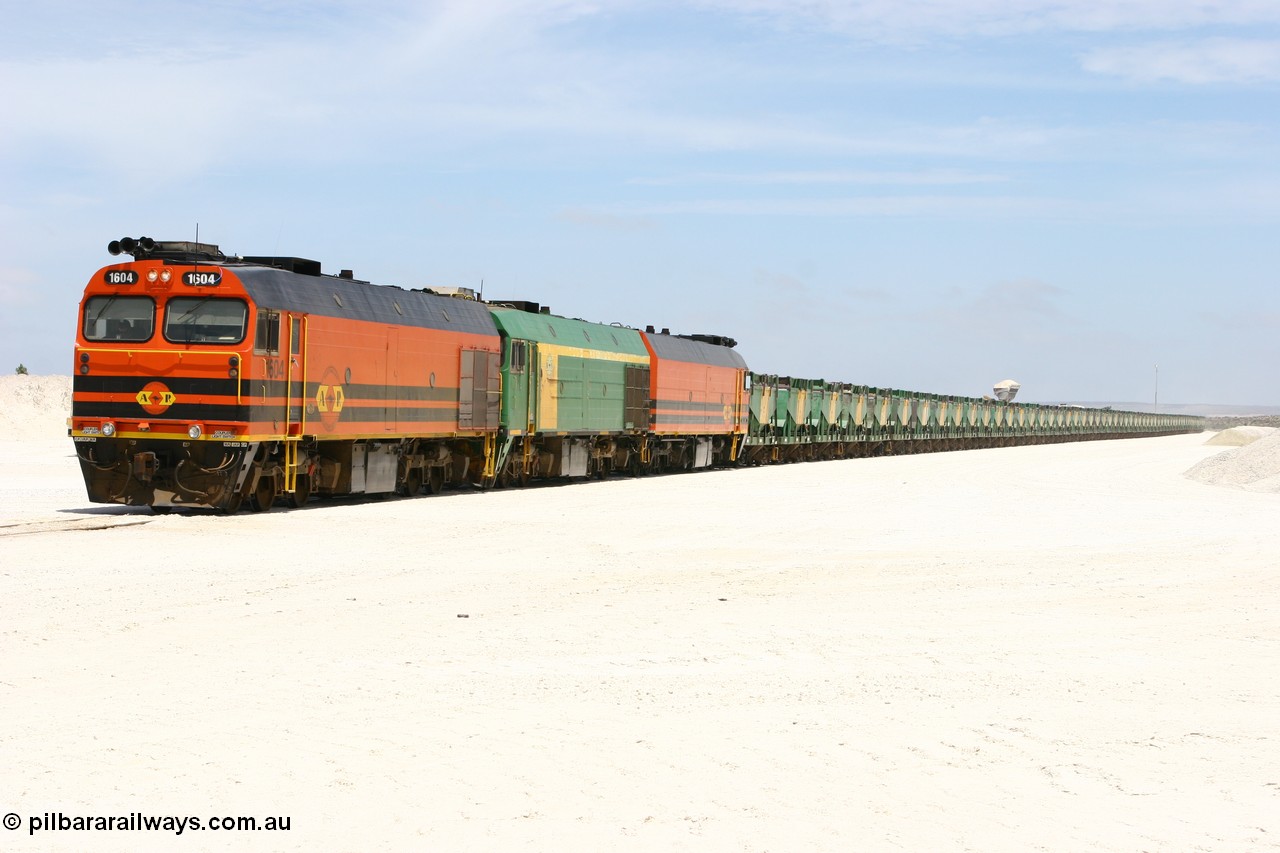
<point x="1200" y="409"/>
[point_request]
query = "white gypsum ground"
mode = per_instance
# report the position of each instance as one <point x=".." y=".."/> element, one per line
<point x="1061" y="647"/>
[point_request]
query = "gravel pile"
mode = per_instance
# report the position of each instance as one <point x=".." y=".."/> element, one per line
<point x="34" y="407"/>
<point x="1241" y="435"/>
<point x="1254" y="467"/>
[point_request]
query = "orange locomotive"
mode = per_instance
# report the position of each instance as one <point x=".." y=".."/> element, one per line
<point x="699" y="394"/>
<point x="205" y="380"/>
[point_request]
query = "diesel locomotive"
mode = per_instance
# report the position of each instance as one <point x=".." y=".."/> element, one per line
<point x="204" y="380"/>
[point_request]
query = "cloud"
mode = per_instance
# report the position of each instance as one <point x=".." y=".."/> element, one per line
<point x="607" y="221"/>
<point x="1218" y="60"/>
<point x="898" y="205"/>
<point x="1023" y="309"/>
<point x="452" y="82"/>
<point x="448" y="78"/>
<point x="920" y="20"/>
<point x="923" y="177"/>
<point x="156" y="119"/>
<point x="1020" y="299"/>
<point x="238" y="82"/>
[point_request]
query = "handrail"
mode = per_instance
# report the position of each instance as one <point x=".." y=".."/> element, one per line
<point x="291" y="441"/>
<point x="306" y="351"/>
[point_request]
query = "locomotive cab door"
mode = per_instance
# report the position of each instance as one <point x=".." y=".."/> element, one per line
<point x="520" y="389"/>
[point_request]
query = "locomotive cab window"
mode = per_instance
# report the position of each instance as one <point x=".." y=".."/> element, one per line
<point x="519" y="355"/>
<point x="119" y="318"/>
<point x="267" y="339"/>
<point x="205" y="320"/>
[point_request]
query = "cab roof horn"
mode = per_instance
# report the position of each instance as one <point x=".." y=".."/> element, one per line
<point x="145" y="248"/>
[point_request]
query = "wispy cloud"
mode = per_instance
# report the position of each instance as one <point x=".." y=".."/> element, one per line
<point x="919" y="20"/>
<point x="1217" y="60"/>
<point x="922" y="206"/>
<point x="606" y="221"/>
<point x="924" y="177"/>
<point x="1006" y="301"/>
<point x="450" y="79"/>
<point x="1025" y="310"/>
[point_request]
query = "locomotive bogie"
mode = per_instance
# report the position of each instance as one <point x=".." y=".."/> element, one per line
<point x="156" y="471"/>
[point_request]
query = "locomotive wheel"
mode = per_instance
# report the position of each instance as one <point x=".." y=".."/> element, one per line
<point x="435" y="481"/>
<point x="264" y="495"/>
<point x="301" y="492"/>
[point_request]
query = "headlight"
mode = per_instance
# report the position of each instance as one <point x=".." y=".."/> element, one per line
<point x="194" y="430"/>
<point x="108" y="429"/>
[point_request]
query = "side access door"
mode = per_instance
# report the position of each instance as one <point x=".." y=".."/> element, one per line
<point x="479" y="390"/>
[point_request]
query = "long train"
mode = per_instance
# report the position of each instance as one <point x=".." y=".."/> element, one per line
<point x="209" y="381"/>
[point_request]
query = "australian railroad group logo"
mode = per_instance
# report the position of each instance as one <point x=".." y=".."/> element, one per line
<point x="155" y="398"/>
<point x="330" y="399"/>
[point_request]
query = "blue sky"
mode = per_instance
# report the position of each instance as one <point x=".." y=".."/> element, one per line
<point x="931" y="195"/>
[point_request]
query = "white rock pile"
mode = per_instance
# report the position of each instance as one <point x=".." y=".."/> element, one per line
<point x="1254" y="466"/>
<point x="34" y="407"/>
<point x="1240" y="436"/>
